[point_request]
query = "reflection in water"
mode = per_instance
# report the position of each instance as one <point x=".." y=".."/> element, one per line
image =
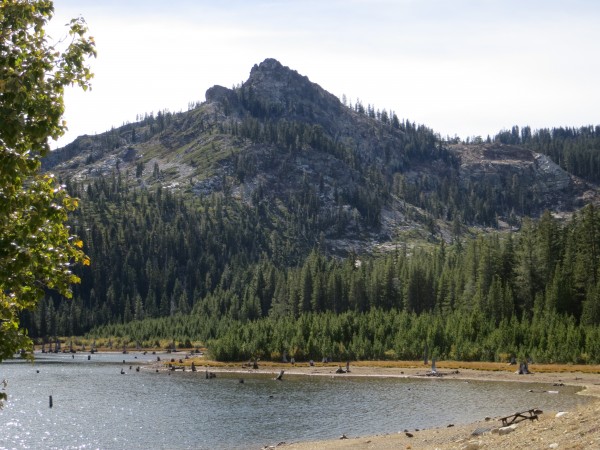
<point x="94" y="406"/>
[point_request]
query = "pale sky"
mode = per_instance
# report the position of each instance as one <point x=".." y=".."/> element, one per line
<point x="460" y="67"/>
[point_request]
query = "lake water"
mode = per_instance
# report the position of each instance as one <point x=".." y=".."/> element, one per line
<point x="94" y="406"/>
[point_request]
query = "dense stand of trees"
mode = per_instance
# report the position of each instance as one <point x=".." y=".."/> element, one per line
<point x="152" y="255"/>
<point x="213" y="264"/>
<point x="374" y="335"/>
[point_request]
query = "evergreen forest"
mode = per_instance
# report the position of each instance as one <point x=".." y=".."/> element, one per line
<point x="209" y="269"/>
<point x="243" y="223"/>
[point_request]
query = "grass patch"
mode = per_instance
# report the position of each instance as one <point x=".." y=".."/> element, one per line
<point x="482" y="365"/>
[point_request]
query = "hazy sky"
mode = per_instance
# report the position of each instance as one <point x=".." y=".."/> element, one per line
<point x="460" y="67"/>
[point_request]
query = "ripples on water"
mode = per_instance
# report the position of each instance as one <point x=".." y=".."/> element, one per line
<point x="94" y="406"/>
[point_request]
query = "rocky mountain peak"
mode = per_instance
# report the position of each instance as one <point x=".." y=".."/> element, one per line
<point x="269" y="65"/>
<point x="284" y="92"/>
<point x="268" y="81"/>
<point x="271" y="71"/>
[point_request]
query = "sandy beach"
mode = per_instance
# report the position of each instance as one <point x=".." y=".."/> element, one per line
<point x="571" y="429"/>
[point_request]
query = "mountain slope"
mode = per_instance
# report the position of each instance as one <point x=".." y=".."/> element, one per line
<point x="345" y="178"/>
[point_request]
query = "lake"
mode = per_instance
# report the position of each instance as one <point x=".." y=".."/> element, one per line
<point x="95" y="406"/>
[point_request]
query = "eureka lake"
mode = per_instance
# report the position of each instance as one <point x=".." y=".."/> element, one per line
<point x="96" y="406"/>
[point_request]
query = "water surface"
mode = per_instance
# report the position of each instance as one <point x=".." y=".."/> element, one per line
<point x="95" y="406"/>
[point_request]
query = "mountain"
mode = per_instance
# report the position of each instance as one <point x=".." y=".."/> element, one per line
<point x="274" y="218"/>
<point x="345" y="177"/>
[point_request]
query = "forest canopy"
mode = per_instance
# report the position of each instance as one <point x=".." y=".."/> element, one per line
<point x="209" y="271"/>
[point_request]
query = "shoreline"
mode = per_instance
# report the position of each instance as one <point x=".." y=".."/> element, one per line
<point x="574" y="429"/>
<point x="577" y="428"/>
<point x="585" y="377"/>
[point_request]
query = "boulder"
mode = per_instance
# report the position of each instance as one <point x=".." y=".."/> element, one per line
<point x="506" y="430"/>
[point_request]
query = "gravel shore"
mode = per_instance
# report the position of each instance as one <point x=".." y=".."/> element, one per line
<point x="577" y="429"/>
